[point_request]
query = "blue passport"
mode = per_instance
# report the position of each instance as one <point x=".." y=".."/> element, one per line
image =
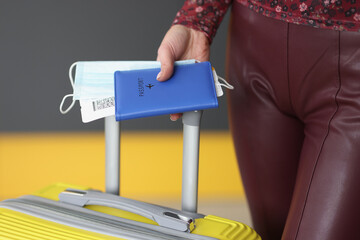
<point x="138" y="94"/>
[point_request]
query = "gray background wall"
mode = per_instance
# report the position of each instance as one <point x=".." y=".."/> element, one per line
<point x="40" y="39"/>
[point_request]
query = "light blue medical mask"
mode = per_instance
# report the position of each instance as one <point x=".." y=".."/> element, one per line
<point x="95" y="79"/>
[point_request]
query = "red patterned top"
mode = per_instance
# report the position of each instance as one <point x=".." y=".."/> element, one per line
<point x="206" y="15"/>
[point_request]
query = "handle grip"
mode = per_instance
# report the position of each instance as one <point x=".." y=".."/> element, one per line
<point x="165" y="217"/>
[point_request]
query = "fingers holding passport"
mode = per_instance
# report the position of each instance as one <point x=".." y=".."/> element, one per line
<point x="181" y="43"/>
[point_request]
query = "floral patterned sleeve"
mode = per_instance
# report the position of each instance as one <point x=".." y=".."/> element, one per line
<point x="202" y="15"/>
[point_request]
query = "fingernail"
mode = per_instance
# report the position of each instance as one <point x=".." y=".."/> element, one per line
<point x="158" y="76"/>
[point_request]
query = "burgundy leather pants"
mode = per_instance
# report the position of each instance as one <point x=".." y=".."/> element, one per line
<point x="295" y="120"/>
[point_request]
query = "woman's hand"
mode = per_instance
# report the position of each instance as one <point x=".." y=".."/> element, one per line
<point x="181" y="43"/>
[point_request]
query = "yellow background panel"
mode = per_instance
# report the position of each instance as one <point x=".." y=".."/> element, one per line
<point x="150" y="163"/>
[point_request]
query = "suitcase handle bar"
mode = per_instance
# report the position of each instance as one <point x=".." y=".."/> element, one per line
<point x="112" y="155"/>
<point x="165" y="217"/>
<point x="190" y="172"/>
<point x="191" y="138"/>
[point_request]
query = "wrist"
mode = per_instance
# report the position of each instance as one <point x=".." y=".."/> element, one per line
<point x="202" y="16"/>
<point x="194" y="27"/>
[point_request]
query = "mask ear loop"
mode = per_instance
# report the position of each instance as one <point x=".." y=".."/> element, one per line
<point x="68" y="95"/>
<point x="224" y="83"/>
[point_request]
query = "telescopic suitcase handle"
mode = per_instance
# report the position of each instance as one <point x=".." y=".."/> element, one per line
<point x="190" y="174"/>
<point x="112" y="155"/>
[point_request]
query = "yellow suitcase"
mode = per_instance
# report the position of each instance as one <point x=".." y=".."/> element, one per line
<point x="67" y="212"/>
<point x="43" y="216"/>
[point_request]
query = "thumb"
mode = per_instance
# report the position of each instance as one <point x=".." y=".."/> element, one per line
<point x="166" y="58"/>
